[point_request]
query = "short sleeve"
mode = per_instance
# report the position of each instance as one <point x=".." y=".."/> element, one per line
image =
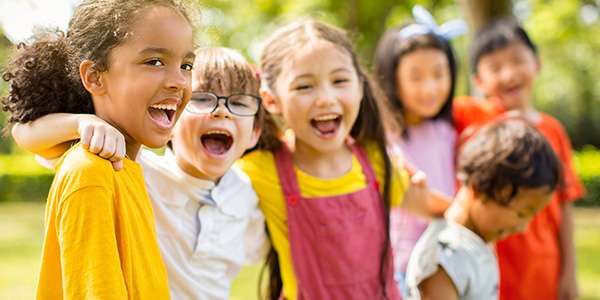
<point x="91" y="265"/>
<point x="573" y="188"/>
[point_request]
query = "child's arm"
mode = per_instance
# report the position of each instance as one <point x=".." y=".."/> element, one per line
<point x="567" y="285"/>
<point x="422" y="202"/>
<point x="50" y="136"/>
<point x="438" y="286"/>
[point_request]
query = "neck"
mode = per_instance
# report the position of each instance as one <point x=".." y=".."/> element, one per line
<point x="459" y="210"/>
<point x="132" y="149"/>
<point x="412" y="119"/>
<point x="325" y="165"/>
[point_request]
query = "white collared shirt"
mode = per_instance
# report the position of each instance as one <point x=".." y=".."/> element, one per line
<point x="205" y="232"/>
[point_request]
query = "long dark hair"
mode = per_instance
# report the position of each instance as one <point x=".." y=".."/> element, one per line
<point x="44" y="75"/>
<point x="368" y="127"/>
<point x="388" y="55"/>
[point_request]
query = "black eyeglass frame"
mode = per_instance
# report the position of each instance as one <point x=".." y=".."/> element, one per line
<point x="226" y="103"/>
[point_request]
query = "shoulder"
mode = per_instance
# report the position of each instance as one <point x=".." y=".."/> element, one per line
<point x="237" y="182"/>
<point x="551" y="123"/>
<point x="257" y="163"/>
<point x="79" y="162"/>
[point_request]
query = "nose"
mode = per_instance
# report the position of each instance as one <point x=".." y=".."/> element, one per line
<point x="221" y="111"/>
<point x="326" y="97"/>
<point x="177" y="80"/>
<point x="430" y="87"/>
<point x="507" y="74"/>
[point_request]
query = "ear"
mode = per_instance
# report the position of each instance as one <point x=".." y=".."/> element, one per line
<point x="478" y="82"/>
<point x="91" y="78"/>
<point x="254" y="138"/>
<point x="268" y="100"/>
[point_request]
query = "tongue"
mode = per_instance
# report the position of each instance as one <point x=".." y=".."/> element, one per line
<point x="214" y="145"/>
<point x="159" y="115"/>
<point x="325" y="126"/>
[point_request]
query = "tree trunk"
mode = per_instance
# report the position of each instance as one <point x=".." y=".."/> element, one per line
<point x="479" y="12"/>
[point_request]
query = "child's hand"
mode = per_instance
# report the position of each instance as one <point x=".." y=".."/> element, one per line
<point x="418" y="178"/>
<point x="99" y="137"/>
<point x="567" y="287"/>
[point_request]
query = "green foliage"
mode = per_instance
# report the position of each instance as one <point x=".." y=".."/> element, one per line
<point x="587" y="164"/>
<point x="22" y="179"/>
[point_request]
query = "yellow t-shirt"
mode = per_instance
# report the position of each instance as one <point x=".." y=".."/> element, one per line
<point x="260" y="166"/>
<point x="100" y="240"/>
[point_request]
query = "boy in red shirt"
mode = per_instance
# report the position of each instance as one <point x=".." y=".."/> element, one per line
<point x="540" y="263"/>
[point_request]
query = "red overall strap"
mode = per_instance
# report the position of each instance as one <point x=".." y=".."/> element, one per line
<point x="287" y="176"/>
<point x="365" y="164"/>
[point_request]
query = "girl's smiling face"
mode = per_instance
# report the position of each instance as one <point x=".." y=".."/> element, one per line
<point x="148" y="81"/>
<point x="318" y="92"/>
<point x="423" y="83"/>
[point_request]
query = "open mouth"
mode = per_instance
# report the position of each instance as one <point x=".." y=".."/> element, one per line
<point x="163" y="113"/>
<point x="217" y="141"/>
<point x="512" y="89"/>
<point x="326" y="124"/>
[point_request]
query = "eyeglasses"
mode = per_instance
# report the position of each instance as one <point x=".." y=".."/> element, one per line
<point x="238" y="104"/>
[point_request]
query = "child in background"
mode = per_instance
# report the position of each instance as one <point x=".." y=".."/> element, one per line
<point x="540" y="263"/>
<point x="416" y="69"/>
<point x="508" y="172"/>
<point x="100" y="239"/>
<point x="207" y="219"/>
<point x="326" y="199"/>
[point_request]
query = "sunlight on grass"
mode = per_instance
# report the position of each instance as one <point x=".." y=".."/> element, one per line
<point x="22" y="229"/>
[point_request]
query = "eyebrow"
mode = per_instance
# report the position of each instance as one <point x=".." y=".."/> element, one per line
<point x="342" y="69"/>
<point x="189" y="54"/>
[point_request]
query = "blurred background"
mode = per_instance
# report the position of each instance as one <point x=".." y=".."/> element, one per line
<point x="566" y="32"/>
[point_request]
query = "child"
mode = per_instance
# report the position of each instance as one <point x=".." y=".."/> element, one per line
<point x="326" y="199"/>
<point x="539" y="264"/>
<point x="207" y="217"/>
<point x="130" y="63"/>
<point x="508" y="172"/>
<point x="416" y="69"/>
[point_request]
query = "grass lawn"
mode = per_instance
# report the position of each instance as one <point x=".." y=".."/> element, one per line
<point x="22" y="230"/>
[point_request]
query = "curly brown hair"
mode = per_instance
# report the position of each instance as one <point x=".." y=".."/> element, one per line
<point x="508" y="153"/>
<point x="44" y="75"/>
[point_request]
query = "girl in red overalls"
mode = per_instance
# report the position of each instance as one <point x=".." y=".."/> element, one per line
<point x="326" y="194"/>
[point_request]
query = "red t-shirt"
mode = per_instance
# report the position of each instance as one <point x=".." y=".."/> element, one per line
<point x="530" y="262"/>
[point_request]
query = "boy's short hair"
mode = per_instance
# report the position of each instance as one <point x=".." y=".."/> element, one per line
<point x="497" y="34"/>
<point x="507" y="153"/>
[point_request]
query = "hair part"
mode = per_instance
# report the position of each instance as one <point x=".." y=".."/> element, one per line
<point x="508" y="154"/>
<point x="44" y="75"/>
<point x="368" y="127"/>
<point x="495" y="35"/>
<point x="388" y="57"/>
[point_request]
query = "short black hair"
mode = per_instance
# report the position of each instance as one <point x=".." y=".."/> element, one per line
<point x="508" y="153"/>
<point x="495" y="35"/>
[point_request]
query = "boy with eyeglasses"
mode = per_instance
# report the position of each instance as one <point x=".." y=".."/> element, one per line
<point x="207" y="219"/>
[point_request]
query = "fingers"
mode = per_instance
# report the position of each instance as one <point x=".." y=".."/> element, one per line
<point x="419" y="179"/>
<point x="117" y="165"/>
<point x="100" y="138"/>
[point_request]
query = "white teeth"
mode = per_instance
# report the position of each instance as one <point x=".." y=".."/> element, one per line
<point x="218" y="132"/>
<point x="165" y="106"/>
<point x="326" y="117"/>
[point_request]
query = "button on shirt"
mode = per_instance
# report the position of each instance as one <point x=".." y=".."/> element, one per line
<point x="206" y="232"/>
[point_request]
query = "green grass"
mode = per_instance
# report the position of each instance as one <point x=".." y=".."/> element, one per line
<point x="22" y="229"/>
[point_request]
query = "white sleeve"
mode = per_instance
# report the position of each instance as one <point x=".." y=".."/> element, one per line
<point x="256" y="241"/>
<point x="47" y="163"/>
